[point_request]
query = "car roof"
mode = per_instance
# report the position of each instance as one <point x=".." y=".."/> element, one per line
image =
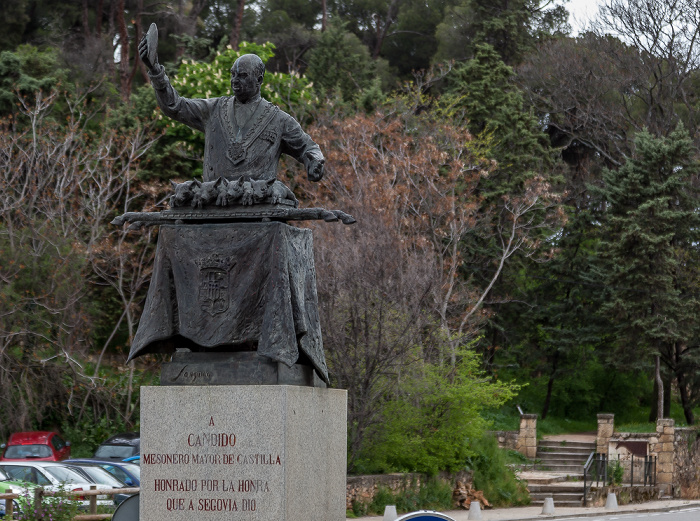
<point x="125" y="438"/>
<point x="30" y="437"/>
<point x="94" y="461"/>
<point x="33" y="463"/>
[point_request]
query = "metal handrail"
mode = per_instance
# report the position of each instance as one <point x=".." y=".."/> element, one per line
<point x="597" y="459"/>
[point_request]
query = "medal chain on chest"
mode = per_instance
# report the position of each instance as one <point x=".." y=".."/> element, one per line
<point x="237" y="145"/>
<point x="254" y="108"/>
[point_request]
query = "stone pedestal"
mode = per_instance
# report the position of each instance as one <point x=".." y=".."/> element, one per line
<point x="268" y="453"/>
<point x="527" y="437"/>
<point x="665" y="431"/>
<point x="606" y="427"/>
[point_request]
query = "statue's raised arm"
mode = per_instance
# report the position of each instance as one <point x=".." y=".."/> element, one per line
<point x="244" y="134"/>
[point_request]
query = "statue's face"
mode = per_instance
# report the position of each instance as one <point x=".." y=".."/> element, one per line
<point x="243" y="81"/>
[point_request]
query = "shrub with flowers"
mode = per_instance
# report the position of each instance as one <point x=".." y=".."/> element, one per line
<point x="57" y="507"/>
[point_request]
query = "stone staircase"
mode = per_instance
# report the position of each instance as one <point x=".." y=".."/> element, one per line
<point x="558" y="472"/>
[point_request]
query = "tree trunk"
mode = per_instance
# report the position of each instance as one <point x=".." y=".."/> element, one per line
<point x="98" y="19"/>
<point x="660" y="389"/>
<point x="138" y="64"/>
<point x="324" y="14"/>
<point x="384" y="28"/>
<point x="236" y="25"/>
<point x="86" y="20"/>
<point x="550" y="386"/>
<point x="124" y="72"/>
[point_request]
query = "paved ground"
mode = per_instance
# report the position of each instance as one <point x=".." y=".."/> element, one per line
<point x="526" y="513"/>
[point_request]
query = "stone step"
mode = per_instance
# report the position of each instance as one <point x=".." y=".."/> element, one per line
<point x="562" y="455"/>
<point x="560" y="461"/>
<point x="557" y="488"/>
<point x="567" y="444"/>
<point x="560" y="467"/>
<point x="558" y="497"/>
<point x="566" y="450"/>
<point x="545" y="480"/>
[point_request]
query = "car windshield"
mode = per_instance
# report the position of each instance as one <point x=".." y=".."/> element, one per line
<point x="120" y="472"/>
<point x="3" y="476"/>
<point x="28" y="451"/>
<point x="101" y="476"/>
<point x="115" y="451"/>
<point x="133" y="469"/>
<point x="64" y="474"/>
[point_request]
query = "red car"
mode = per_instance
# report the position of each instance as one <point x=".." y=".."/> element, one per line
<point x="37" y="445"/>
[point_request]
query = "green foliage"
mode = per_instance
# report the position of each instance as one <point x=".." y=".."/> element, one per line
<point x="493" y="476"/>
<point x="58" y="507"/>
<point x="340" y="61"/>
<point x="615" y="473"/>
<point x="511" y="27"/>
<point x="86" y="435"/>
<point x="494" y="109"/>
<point x="428" y="426"/>
<point x="27" y="70"/>
<point x="649" y="256"/>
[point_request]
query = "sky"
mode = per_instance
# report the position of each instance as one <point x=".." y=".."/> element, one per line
<point x="581" y="11"/>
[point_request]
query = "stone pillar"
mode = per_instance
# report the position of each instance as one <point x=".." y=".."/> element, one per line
<point x="527" y="437"/>
<point x="606" y="426"/>
<point x="665" y="431"/>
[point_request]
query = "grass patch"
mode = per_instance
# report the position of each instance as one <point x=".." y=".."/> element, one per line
<point x="552" y="426"/>
<point x="636" y="427"/>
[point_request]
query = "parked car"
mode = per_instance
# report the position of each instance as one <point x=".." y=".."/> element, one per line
<point x="36" y="445"/>
<point x="118" y="447"/>
<point x="129" y="473"/>
<point x="53" y="476"/>
<point x="102" y="478"/>
<point x="18" y="487"/>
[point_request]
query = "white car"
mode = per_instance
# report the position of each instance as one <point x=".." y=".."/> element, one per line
<point x="52" y="475"/>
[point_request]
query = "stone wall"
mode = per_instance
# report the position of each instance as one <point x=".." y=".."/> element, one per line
<point x="625" y="495"/>
<point x="686" y="463"/>
<point x="361" y="489"/>
<point x="507" y="439"/>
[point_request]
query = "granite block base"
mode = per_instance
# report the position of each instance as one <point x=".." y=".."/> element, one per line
<point x="267" y="453"/>
<point x="234" y="368"/>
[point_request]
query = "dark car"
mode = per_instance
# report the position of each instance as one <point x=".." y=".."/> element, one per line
<point x="119" y="447"/>
<point x="129" y="473"/>
<point x="35" y="445"/>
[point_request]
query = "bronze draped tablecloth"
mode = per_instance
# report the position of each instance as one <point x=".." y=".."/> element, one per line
<point x="223" y="284"/>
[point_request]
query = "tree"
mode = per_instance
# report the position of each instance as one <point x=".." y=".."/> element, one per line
<point x="60" y="183"/>
<point x="649" y="241"/>
<point x="511" y="27"/>
<point x="340" y="61"/>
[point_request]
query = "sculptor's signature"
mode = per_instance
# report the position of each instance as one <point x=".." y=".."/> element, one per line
<point x="193" y="375"/>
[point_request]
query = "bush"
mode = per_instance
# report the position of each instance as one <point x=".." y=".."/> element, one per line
<point x="493" y="476"/>
<point x="53" y="508"/>
<point x="615" y="473"/>
<point x="430" y="494"/>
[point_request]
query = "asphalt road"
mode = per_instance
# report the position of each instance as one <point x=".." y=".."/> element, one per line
<point x="690" y="514"/>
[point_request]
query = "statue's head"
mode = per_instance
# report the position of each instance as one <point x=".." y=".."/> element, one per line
<point x="247" y="76"/>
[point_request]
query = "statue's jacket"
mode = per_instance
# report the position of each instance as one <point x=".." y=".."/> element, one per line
<point x="231" y="152"/>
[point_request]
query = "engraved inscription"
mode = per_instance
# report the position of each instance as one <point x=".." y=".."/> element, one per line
<point x="244" y="484"/>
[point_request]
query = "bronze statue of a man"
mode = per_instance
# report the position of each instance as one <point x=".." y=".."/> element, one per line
<point x="244" y="134"/>
<point x="233" y="291"/>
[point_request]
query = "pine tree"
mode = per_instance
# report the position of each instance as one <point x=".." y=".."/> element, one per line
<point x="649" y="252"/>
